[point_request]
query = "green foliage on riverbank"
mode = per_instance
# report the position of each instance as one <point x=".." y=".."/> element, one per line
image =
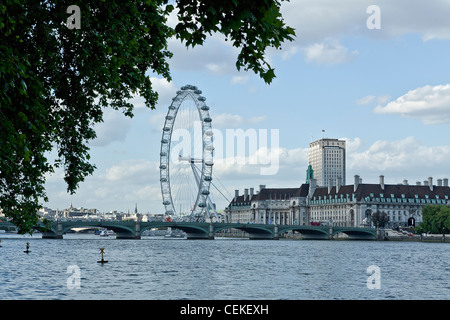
<point x="436" y="219"/>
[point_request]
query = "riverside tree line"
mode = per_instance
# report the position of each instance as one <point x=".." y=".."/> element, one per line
<point x="436" y="219"/>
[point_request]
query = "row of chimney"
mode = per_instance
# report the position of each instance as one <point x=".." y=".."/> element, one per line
<point x="246" y="192"/>
<point x="357" y="182"/>
<point x="429" y="182"/>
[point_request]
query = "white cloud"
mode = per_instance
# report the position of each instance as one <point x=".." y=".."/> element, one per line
<point x="215" y="56"/>
<point x="256" y="119"/>
<point x="289" y="52"/>
<point x="365" y="100"/>
<point x="406" y="158"/>
<point x="227" y="120"/>
<point x="290" y="166"/>
<point x="220" y="121"/>
<point x="430" y="104"/>
<point x="406" y="16"/>
<point x="371" y="98"/>
<point x="240" y="79"/>
<point x="328" y="53"/>
<point x="131" y="171"/>
<point x="352" y="145"/>
<point x="315" y="20"/>
<point x="157" y="120"/>
<point x="115" y="127"/>
<point x="166" y="91"/>
<point x="383" y="99"/>
<point x="217" y="68"/>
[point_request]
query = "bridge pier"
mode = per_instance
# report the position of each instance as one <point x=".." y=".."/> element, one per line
<point x="261" y="236"/>
<point x="59" y="230"/>
<point x="197" y="236"/>
<point x="315" y="236"/>
<point x="123" y="236"/>
<point x="51" y="234"/>
<point x="127" y="235"/>
<point x="275" y="233"/>
<point x="211" y="232"/>
<point x="381" y="234"/>
<point x="137" y="230"/>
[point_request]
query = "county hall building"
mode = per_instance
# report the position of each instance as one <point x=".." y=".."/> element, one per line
<point x="342" y="205"/>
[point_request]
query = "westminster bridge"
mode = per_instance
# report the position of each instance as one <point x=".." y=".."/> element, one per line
<point x="204" y="230"/>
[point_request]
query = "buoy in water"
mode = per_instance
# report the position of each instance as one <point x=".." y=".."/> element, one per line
<point x="103" y="260"/>
<point x="28" y="248"/>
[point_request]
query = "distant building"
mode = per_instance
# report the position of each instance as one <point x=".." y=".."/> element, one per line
<point x="327" y="160"/>
<point x="76" y="213"/>
<point x="269" y="206"/>
<point x="342" y="205"/>
<point x="48" y="213"/>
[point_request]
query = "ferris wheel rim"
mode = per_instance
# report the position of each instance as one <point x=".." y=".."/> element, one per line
<point x="205" y="175"/>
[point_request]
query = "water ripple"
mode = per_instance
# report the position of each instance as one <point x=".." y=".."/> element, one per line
<point x="222" y="269"/>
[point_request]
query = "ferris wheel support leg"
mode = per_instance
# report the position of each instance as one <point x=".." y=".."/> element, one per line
<point x="214" y="210"/>
<point x="197" y="179"/>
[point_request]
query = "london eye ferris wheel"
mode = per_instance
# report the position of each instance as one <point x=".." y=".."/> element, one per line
<point x="186" y="157"/>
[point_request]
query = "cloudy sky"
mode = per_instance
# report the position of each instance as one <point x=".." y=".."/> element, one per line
<point x="386" y="91"/>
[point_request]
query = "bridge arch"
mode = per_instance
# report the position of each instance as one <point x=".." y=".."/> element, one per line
<point x="307" y="232"/>
<point x="255" y="231"/>
<point x="193" y="230"/>
<point x="354" y="233"/>
<point x="122" y="229"/>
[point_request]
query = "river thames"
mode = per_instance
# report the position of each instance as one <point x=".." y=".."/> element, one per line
<point x="221" y="269"/>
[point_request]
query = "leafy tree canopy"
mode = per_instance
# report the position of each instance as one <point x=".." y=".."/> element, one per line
<point x="436" y="219"/>
<point x="380" y="218"/>
<point x="55" y="80"/>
